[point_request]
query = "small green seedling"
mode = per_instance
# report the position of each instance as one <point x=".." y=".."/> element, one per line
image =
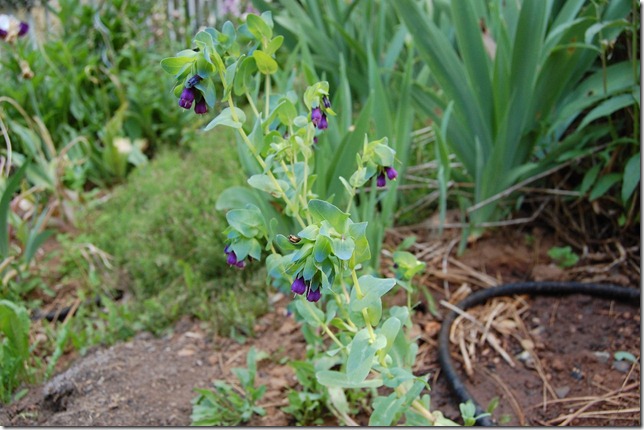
<point x="625" y="355"/>
<point x="224" y="406"/>
<point x="563" y="256"/>
<point x="468" y="409"/>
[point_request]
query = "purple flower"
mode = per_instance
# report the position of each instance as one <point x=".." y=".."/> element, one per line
<point x="313" y="295"/>
<point x="187" y="97"/>
<point x="298" y="286"/>
<point x="24" y="28"/>
<point x="326" y="102"/>
<point x="316" y="116"/>
<point x="381" y="180"/>
<point x="323" y="124"/>
<point x="231" y="258"/>
<point x="391" y="173"/>
<point x="11" y="27"/>
<point x="201" y="107"/>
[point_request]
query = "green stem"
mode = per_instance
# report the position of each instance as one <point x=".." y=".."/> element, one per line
<point x="267" y="92"/>
<point x="252" y="105"/>
<point x="259" y="159"/>
<point x="325" y="327"/>
<point x="365" y="314"/>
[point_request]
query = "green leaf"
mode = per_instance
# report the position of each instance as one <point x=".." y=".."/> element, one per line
<point x="607" y="107"/>
<point x="226" y="118"/>
<point x="258" y="27"/>
<point x="360" y="359"/>
<point x="265" y="63"/>
<point x="266" y="184"/>
<point x="207" y="88"/>
<point x="311" y="313"/>
<point x="589" y="179"/>
<point x="389" y="330"/>
<point x="324" y="211"/>
<point x="274" y="45"/>
<point x="563" y="256"/>
<point x="248" y="222"/>
<point x="395" y="376"/>
<point x="244" y="78"/>
<point x="322" y="248"/>
<point x="343" y="247"/>
<point x="373" y="289"/>
<point x="385" y="409"/>
<point x="631" y="177"/>
<point x="7" y="195"/>
<point x="14" y="324"/>
<point x="175" y="65"/>
<point x="362" y="251"/>
<point x="333" y="378"/>
<point x="603" y="185"/>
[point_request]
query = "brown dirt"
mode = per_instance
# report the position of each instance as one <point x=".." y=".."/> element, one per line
<point x="150" y="381"/>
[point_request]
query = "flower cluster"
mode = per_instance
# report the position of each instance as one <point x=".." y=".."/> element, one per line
<point x="318" y="114"/>
<point x="385" y="173"/>
<point x="300" y="286"/>
<point x="190" y="93"/>
<point x="11" y="28"/>
<point x="231" y="258"/>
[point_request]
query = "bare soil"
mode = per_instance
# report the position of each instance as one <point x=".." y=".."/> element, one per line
<point x="149" y="381"/>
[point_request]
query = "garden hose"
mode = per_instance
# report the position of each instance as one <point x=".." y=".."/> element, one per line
<point x="613" y="292"/>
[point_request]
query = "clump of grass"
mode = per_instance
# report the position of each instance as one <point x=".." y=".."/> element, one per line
<point x="162" y="229"/>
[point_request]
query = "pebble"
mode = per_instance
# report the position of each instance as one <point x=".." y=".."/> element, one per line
<point x="621" y="366"/>
<point x="562" y="391"/>
<point x="601" y="356"/>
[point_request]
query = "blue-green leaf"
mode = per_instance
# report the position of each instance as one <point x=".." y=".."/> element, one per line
<point x="631" y="177"/>
<point x="324" y="211"/>
<point x="227" y="118"/>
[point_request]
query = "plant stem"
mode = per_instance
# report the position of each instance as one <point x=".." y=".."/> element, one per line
<point x="365" y="314"/>
<point x="252" y="105"/>
<point x="259" y="159"/>
<point x="325" y="327"/>
<point x="267" y="92"/>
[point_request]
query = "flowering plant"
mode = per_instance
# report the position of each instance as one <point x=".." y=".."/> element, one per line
<point x="311" y="246"/>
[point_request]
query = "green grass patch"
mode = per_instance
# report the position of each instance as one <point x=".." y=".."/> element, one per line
<point x="164" y="235"/>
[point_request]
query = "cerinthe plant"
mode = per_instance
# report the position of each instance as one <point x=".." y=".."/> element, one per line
<point x="310" y="246"/>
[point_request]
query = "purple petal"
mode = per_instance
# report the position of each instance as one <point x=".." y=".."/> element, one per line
<point x="381" y="180"/>
<point x="313" y="295"/>
<point x="391" y="173"/>
<point x="298" y="286"/>
<point x="201" y="107"/>
<point x="187" y="97"/>
<point x="316" y="116"/>
<point x="232" y="258"/>
<point x="323" y="124"/>
<point x="24" y="28"/>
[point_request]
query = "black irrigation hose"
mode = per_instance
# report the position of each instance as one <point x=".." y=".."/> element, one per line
<point x="612" y="292"/>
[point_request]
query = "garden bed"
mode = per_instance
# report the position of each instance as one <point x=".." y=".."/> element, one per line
<point x="150" y="381"/>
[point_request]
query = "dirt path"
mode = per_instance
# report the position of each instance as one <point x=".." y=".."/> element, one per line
<point x="149" y="381"/>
